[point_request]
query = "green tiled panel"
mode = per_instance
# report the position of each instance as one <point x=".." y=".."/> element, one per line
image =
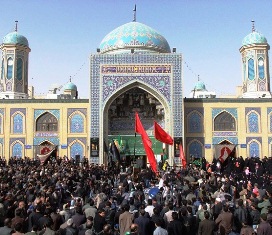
<point x="128" y="143"/>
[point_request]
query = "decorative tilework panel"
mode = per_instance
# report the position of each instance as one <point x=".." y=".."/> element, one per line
<point x="175" y="60"/>
<point x="76" y="149"/>
<point x="262" y="86"/>
<point x="17" y="150"/>
<point x="269" y="110"/>
<point x="194" y="123"/>
<point x="12" y="140"/>
<point x="189" y="110"/>
<point x="248" y="139"/>
<point x="218" y="140"/>
<point x="249" y="109"/>
<point x="253" y="122"/>
<point x="232" y="111"/>
<point x="254" y="149"/>
<point x="21" y="110"/>
<point x="251" y="70"/>
<point x="39" y="140"/>
<point x="18" y="124"/>
<point x="1" y="122"/>
<point x="76" y="124"/>
<point x="225" y="133"/>
<point x="72" y="110"/>
<point x="39" y="112"/>
<point x="72" y="139"/>
<point x="112" y="83"/>
<point x="195" y="149"/>
<point x="190" y="139"/>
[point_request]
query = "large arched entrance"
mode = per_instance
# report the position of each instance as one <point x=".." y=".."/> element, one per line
<point x="119" y="123"/>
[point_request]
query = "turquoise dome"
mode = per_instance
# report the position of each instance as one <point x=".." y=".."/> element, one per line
<point x="15" y="38"/>
<point x="70" y="86"/>
<point x="134" y="35"/>
<point x="254" y="38"/>
<point x="200" y="86"/>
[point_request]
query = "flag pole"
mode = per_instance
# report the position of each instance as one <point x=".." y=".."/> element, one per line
<point x="134" y="157"/>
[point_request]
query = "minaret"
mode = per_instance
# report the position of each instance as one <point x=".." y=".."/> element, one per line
<point x="14" y="66"/>
<point x="255" y="65"/>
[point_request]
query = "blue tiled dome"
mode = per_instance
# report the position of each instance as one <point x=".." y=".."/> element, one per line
<point x="200" y="86"/>
<point x="15" y="38"/>
<point x="253" y="38"/>
<point x="134" y="35"/>
<point x="70" y="86"/>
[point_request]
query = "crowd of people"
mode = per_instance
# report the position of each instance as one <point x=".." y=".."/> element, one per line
<point x="71" y="198"/>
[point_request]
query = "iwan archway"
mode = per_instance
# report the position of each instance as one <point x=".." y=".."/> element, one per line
<point x="119" y="120"/>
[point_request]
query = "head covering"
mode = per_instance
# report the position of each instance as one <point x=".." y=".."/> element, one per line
<point x="264" y="217"/>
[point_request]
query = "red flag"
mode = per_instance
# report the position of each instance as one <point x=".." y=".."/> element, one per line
<point x="161" y="135"/>
<point x="182" y="157"/>
<point x="146" y="142"/>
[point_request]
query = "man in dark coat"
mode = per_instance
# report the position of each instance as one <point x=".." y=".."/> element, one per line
<point x="34" y="217"/>
<point x="175" y="227"/>
<point x="99" y="220"/>
<point x="264" y="227"/>
<point x="224" y="221"/>
<point x="207" y="226"/>
<point x="143" y="223"/>
<point x="240" y="216"/>
<point x="6" y="230"/>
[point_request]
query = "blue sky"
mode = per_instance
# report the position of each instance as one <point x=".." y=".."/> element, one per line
<point x="63" y="33"/>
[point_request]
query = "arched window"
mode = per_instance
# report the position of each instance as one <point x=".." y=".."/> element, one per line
<point x="194" y="123"/>
<point x="254" y="150"/>
<point x="47" y="122"/>
<point x="253" y="122"/>
<point x="2" y="69"/>
<point x="195" y="149"/>
<point x="251" y="70"/>
<point x="10" y="68"/>
<point x="1" y="123"/>
<point x="77" y="124"/>
<point x="18" y="124"/>
<point x="19" y="69"/>
<point x="261" y="67"/>
<point x="76" y="149"/>
<point x="224" y="122"/>
<point x="17" y="150"/>
<point x="270" y="122"/>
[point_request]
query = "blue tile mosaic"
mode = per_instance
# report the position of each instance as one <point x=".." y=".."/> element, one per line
<point x="76" y="124"/>
<point x="232" y="111"/>
<point x="253" y="122"/>
<point x="218" y="140"/>
<point x="39" y="112"/>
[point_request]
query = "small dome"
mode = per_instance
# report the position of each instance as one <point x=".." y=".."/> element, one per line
<point x="253" y="38"/>
<point x="134" y="35"/>
<point x="15" y="38"/>
<point x="200" y="86"/>
<point x="70" y="86"/>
